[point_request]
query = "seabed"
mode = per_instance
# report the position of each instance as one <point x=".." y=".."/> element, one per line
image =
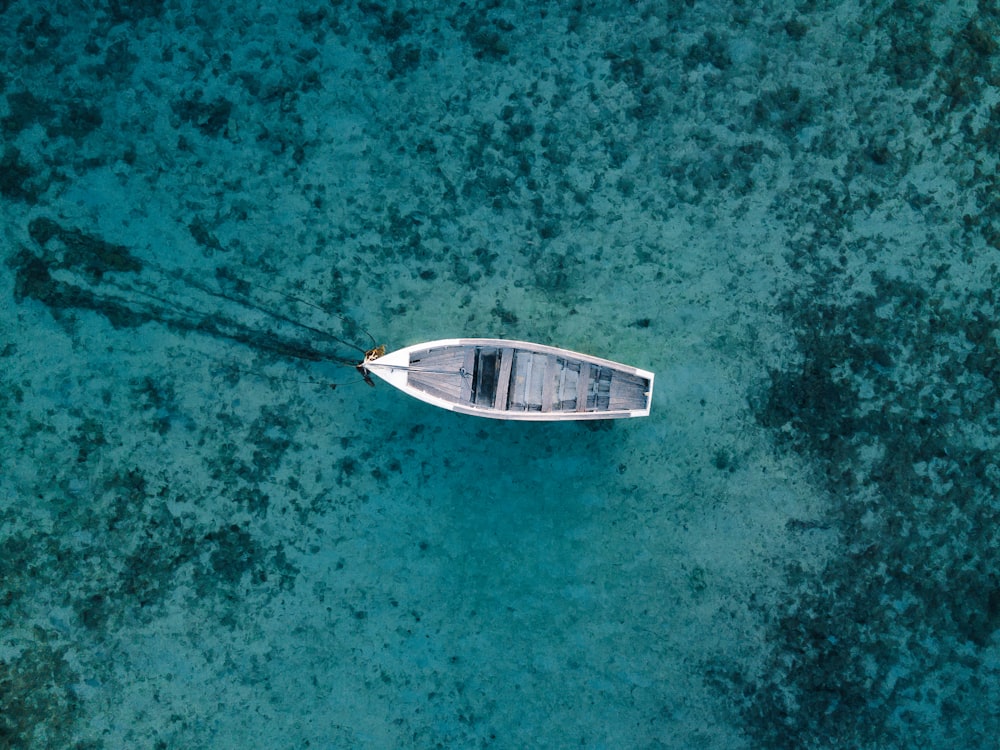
<point x="789" y="213"/>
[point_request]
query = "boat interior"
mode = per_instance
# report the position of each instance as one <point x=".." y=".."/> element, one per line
<point x="509" y="379"/>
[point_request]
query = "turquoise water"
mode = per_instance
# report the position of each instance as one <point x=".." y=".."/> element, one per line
<point x="788" y="213"/>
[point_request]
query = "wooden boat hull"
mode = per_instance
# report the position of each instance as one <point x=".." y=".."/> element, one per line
<point x="518" y="380"/>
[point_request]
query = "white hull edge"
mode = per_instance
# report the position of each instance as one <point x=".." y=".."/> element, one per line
<point x="395" y="368"/>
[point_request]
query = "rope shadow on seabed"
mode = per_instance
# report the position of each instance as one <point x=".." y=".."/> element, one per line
<point x="70" y="269"/>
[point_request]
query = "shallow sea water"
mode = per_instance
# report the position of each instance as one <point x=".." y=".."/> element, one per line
<point x="788" y="212"/>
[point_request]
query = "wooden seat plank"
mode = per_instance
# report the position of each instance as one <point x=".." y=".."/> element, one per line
<point x="549" y="382"/>
<point x="583" y="387"/>
<point x="468" y="364"/>
<point x="503" y="382"/>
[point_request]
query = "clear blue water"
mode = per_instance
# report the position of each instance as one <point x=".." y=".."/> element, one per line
<point x="788" y="213"/>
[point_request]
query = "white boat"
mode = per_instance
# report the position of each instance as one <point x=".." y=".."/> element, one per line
<point x="504" y="379"/>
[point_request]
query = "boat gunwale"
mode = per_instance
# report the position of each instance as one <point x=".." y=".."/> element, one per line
<point x="398" y="361"/>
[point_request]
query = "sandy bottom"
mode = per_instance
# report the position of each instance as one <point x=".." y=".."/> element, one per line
<point x="791" y="217"/>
